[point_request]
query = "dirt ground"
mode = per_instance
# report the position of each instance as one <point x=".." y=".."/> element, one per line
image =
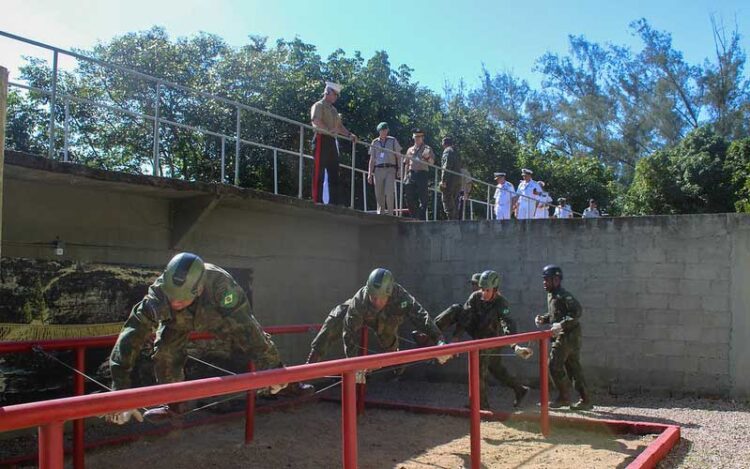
<point x="309" y="437"/>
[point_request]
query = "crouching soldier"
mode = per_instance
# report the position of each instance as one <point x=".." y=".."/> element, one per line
<point x="487" y="314"/>
<point x="188" y="296"/>
<point x="564" y="312"/>
<point x="329" y="333"/>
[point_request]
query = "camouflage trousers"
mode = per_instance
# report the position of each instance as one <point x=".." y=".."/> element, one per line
<point x="239" y="327"/>
<point x="565" y="365"/>
<point x="490" y="363"/>
<point x="330" y="332"/>
<point x="450" y="201"/>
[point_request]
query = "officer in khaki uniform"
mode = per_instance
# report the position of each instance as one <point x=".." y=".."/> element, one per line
<point x="383" y="168"/>
<point x="416" y="174"/>
<point x="325" y="117"/>
<point x="487" y="314"/>
<point x="450" y="183"/>
<point x="564" y="313"/>
<point x="190" y="295"/>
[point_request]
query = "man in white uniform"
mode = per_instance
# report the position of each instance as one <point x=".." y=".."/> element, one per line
<point x="543" y="201"/>
<point x="528" y="192"/>
<point x="563" y="209"/>
<point x="504" y="195"/>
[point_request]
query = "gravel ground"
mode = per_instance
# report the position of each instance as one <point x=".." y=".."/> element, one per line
<point x="714" y="432"/>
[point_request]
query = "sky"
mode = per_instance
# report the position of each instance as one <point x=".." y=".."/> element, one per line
<point x="443" y="41"/>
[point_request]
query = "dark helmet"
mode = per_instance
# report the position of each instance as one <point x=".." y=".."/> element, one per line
<point x="552" y="271"/>
<point x="184" y="277"/>
<point x="489" y="279"/>
<point x="475" y="278"/>
<point x="380" y="283"/>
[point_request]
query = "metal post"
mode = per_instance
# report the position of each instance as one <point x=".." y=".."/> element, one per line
<point x="351" y="195"/>
<point x="434" y="199"/>
<point x="348" y="421"/>
<point x="489" y="212"/>
<point x="67" y="130"/>
<point x="471" y="209"/>
<point x="476" y="435"/>
<point x="401" y="196"/>
<point x="362" y="388"/>
<point x="157" y="169"/>
<point x="544" y="385"/>
<point x="223" y="159"/>
<point x="79" y="389"/>
<point x="364" y="193"/>
<point x="51" y="446"/>
<point x="237" y="144"/>
<point x="250" y="410"/>
<point x="275" y="171"/>
<point x="3" y="110"/>
<point x="52" y="103"/>
<point x="301" y="161"/>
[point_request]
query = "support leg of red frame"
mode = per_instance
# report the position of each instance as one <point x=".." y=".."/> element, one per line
<point x="349" y="421"/>
<point x="476" y="436"/>
<point x="362" y="388"/>
<point x="51" y="446"/>
<point x="250" y="410"/>
<point x="544" y="385"/>
<point x="78" y="428"/>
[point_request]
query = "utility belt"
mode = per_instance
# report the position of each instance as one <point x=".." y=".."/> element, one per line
<point x="386" y="166"/>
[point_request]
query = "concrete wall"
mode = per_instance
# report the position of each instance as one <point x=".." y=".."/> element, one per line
<point x="665" y="298"/>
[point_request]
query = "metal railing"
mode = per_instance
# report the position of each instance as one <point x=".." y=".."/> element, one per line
<point x="50" y="416"/>
<point x="158" y="121"/>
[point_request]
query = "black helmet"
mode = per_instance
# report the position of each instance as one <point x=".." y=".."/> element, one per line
<point x="552" y="271"/>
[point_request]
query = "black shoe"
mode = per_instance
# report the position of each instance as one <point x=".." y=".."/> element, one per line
<point x="520" y="392"/>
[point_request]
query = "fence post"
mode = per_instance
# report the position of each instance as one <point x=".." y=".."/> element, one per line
<point x="237" y="150"/>
<point x="51" y="446"/>
<point x="544" y="385"/>
<point x="351" y="195"/>
<point x="3" y="110"/>
<point x="434" y="199"/>
<point x="474" y="399"/>
<point x="67" y="128"/>
<point x="52" y="105"/>
<point x="250" y="410"/>
<point x="275" y="171"/>
<point x="349" y="421"/>
<point x="79" y="389"/>
<point x="489" y="211"/>
<point x="156" y="171"/>
<point x="301" y="161"/>
<point x="223" y="160"/>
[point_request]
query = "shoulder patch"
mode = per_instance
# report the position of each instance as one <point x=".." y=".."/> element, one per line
<point x="229" y="299"/>
<point x="404" y="304"/>
<point x="505" y="311"/>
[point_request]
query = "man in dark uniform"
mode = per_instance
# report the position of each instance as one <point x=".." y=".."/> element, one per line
<point x="450" y="183"/>
<point x="190" y="295"/>
<point x="416" y="176"/>
<point x="487" y="314"/>
<point x="564" y="313"/>
<point x="329" y="333"/>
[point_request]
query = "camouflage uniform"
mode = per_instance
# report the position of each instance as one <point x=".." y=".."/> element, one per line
<point x="482" y="320"/>
<point x="564" y="363"/>
<point x="222" y="308"/>
<point x="451" y="161"/>
<point x="330" y="332"/>
<point x="385" y="323"/>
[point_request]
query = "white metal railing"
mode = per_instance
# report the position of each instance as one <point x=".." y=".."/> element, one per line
<point x="158" y="121"/>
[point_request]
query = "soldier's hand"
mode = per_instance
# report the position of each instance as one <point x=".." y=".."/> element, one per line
<point x="523" y="352"/>
<point x="276" y="388"/>
<point x="121" y="418"/>
<point x="443" y="359"/>
<point x="370" y="179"/>
<point x="360" y="377"/>
<point x="556" y="329"/>
<point x="538" y="320"/>
<point x="442" y="186"/>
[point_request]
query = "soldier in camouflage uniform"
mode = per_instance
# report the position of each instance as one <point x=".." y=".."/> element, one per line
<point x="487" y="314"/>
<point x="329" y="333"/>
<point x="190" y="295"/>
<point x="564" y="312"/>
<point x="382" y="305"/>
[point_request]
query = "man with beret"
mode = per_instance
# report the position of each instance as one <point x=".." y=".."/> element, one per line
<point x="504" y="195"/>
<point x="327" y="122"/>
<point x="416" y="172"/>
<point x="383" y="168"/>
<point x="450" y="181"/>
<point x="527" y="194"/>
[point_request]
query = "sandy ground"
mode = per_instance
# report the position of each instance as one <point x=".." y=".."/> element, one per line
<point x="309" y="437"/>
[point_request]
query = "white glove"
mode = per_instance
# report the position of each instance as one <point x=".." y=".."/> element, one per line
<point x="359" y="377"/>
<point x="276" y="388"/>
<point x="556" y="329"/>
<point x="523" y="352"/>
<point x="121" y="418"/>
<point x="538" y="320"/>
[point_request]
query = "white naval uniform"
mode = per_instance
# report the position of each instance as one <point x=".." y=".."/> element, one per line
<point x="503" y="200"/>
<point x="542" y="209"/>
<point x="527" y="205"/>
<point x="563" y="212"/>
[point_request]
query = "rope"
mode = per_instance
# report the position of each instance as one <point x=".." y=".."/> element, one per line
<point x="211" y="365"/>
<point x="46" y="354"/>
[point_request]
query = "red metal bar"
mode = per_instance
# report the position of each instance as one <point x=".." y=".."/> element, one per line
<point x="250" y="410"/>
<point x="362" y="388"/>
<point x="79" y="389"/>
<point x="544" y="385"/>
<point x="349" y="420"/>
<point x="474" y="399"/>
<point x="657" y="449"/>
<point x="51" y="446"/>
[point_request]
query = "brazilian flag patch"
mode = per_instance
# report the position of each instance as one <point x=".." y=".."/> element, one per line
<point x="404" y="304"/>
<point x="229" y="299"/>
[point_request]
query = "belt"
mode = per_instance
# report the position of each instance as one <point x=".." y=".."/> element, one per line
<point x="386" y="166"/>
<point x="418" y="170"/>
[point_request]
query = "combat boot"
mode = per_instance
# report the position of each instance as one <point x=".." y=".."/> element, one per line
<point x="584" y="403"/>
<point x="520" y="392"/>
<point x="563" y="400"/>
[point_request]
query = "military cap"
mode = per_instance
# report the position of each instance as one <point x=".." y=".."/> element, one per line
<point x="382" y="125"/>
<point x="447" y="140"/>
<point x="562" y="199"/>
<point x="417" y="133"/>
<point x="475" y="277"/>
<point x="527" y="171"/>
<point x="497" y="175"/>
<point x="333" y="86"/>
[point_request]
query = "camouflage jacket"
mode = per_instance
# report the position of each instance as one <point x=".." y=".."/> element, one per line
<point x="485" y="319"/>
<point x="562" y="307"/>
